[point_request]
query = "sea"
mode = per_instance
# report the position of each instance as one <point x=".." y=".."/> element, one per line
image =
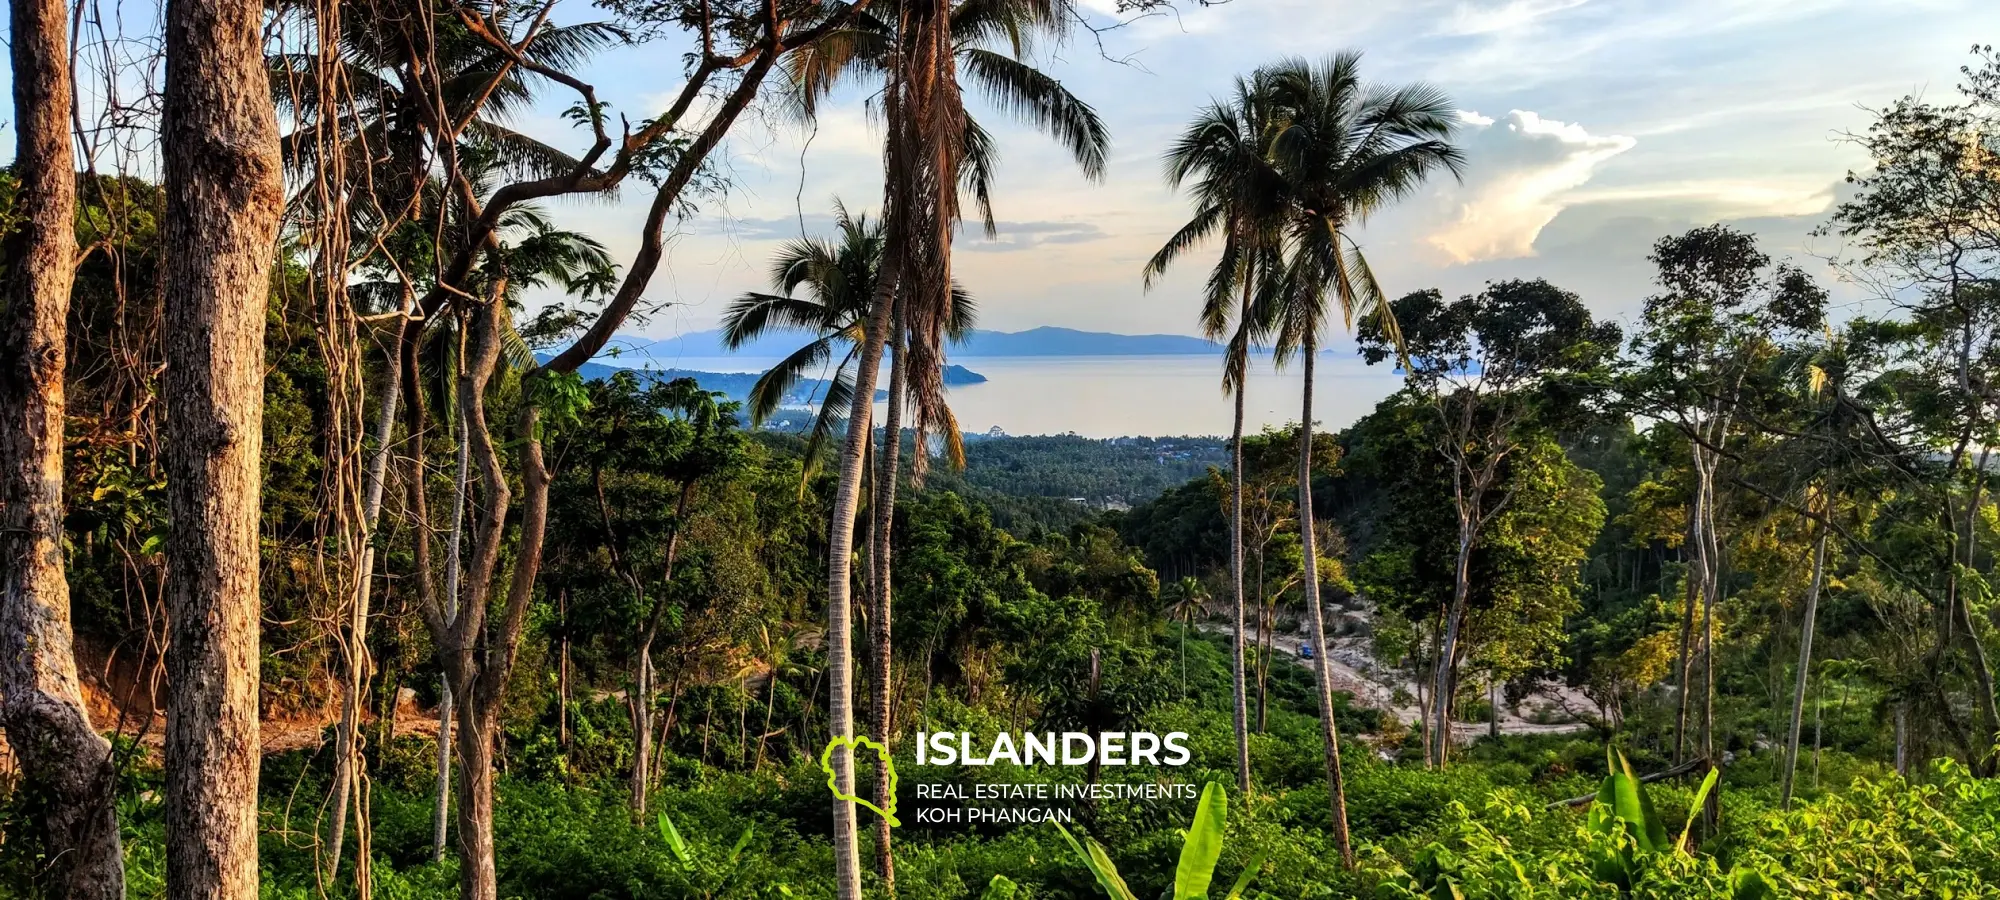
<point x="1129" y="396"/>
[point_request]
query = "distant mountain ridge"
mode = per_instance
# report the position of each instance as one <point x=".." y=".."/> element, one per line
<point x="1047" y="340"/>
<point x="737" y="385"/>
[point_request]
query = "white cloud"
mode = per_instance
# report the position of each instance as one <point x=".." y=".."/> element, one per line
<point x="1522" y="170"/>
<point x="1509" y="15"/>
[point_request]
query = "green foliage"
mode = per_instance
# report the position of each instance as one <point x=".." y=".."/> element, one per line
<point x="1200" y="850"/>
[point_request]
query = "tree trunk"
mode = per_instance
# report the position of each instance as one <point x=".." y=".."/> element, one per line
<point x="224" y="198"/>
<point x="1810" y="612"/>
<point x="1902" y="714"/>
<point x="476" y="876"/>
<point x="884" y="649"/>
<point x="1239" y="680"/>
<point x="840" y="580"/>
<point x="461" y="478"/>
<point x="1329" y="729"/>
<point x="1711" y="587"/>
<point x="347" y="742"/>
<point x="1684" y="663"/>
<point x="641" y="700"/>
<point x="41" y="698"/>
<point x="1493" y="708"/>
<point x="1443" y="687"/>
<point x="562" y="671"/>
<point x="641" y="703"/>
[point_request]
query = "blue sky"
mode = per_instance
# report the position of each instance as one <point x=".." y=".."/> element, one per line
<point x="1594" y="127"/>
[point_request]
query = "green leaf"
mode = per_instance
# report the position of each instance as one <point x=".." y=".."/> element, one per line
<point x="1694" y="809"/>
<point x="742" y="842"/>
<point x="672" y="836"/>
<point x="1099" y="865"/>
<point x="1203" y="845"/>
<point x="1750" y="884"/>
<point x="1000" y="888"/>
<point x="1628" y="802"/>
<point x="1249" y="874"/>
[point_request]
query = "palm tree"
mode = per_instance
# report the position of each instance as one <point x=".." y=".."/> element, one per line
<point x="1344" y="149"/>
<point x="933" y="150"/>
<point x="823" y="289"/>
<point x="1189" y="602"/>
<point x="1237" y="194"/>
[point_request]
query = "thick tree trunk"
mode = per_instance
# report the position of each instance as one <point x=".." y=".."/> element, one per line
<point x="41" y="699"/>
<point x="224" y="198"/>
<point x="1810" y="612"/>
<point x="476" y="876"/>
<point x="1329" y="729"/>
<point x="1240" y="681"/>
<point x="840" y="580"/>
<point x="884" y="650"/>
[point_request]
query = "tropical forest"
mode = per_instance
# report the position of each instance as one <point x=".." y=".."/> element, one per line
<point x="343" y="556"/>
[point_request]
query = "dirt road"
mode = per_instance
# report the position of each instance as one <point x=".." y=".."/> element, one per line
<point x="1353" y="669"/>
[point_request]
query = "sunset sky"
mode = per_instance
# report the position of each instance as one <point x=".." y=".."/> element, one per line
<point x="1594" y="127"/>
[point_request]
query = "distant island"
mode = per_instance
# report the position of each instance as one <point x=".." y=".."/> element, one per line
<point x="1047" y="340"/>
<point x="737" y="385"/>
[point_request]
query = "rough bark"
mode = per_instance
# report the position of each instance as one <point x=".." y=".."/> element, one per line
<point x="1808" y="615"/>
<point x="470" y="665"/>
<point x="1329" y="729"/>
<point x="224" y="198"/>
<point x="41" y="699"/>
<point x="840" y="580"/>
<point x="880" y="564"/>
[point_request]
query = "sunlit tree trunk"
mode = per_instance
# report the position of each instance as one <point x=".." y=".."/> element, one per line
<point x="41" y="699"/>
<point x="840" y="579"/>
<point x="219" y="142"/>
<point x="885" y="519"/>
<point x="1329" y="728"/>
<point x="1808" y="614"/>
<point x="1240" y="682"/>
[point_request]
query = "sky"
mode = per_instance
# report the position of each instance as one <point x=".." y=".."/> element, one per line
<point x="1593" y="127"/>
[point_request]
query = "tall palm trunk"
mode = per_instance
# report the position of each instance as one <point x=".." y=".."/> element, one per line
<point x="840" y="577"/>
<point x="224" y="196"/>
<point x="41" y="697"/>
<point x="1329" y="729"/>
<point x="884" y="649"/>
<point x="1810" y="612"/>
<point x="1240" y="683"/>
